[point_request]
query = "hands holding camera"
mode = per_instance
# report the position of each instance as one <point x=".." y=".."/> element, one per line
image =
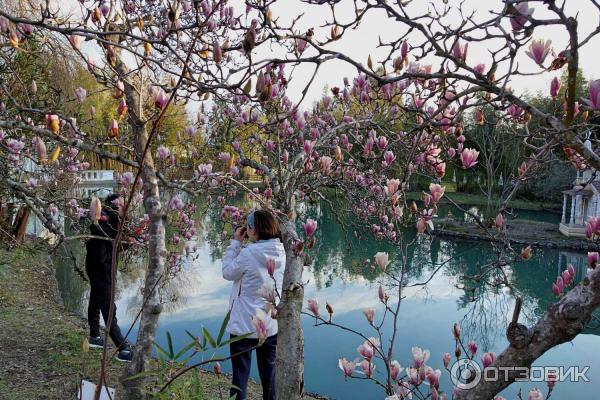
<point x="240" y="233"/>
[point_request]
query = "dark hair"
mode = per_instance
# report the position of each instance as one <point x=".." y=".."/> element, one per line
<point x="266" y="225"/>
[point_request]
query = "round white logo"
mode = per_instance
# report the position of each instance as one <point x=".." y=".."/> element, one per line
<point x="465" y="374"/>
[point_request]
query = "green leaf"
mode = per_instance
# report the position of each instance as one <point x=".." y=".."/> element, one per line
<point x="142" y="374"/>
<point x="160" y="350"/>
<point x="223" y="326"/>
<point x="185" y="350"/>
<point x="235" y="339"/>
<point x="208" y="337"/>
<point x="170" y="344"/>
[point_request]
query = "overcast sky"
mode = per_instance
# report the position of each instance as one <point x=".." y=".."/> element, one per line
<point x="363" y="41"/>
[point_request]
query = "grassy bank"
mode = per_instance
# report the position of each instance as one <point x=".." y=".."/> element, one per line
<point x="480" y="200"/>
<point x="41" y="342"/>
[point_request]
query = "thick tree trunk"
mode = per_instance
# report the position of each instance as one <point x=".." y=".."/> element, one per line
<point x="289" y="363"/>
<point x="156" y="250"/>
<point x="561" y="323"/>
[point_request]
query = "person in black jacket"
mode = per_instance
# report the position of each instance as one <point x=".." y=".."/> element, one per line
<point x="98" y="262"/>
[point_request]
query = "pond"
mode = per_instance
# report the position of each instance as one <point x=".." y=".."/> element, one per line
<point x="338" y="277"/>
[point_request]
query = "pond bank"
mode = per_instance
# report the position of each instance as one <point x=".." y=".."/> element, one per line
<point x="41" y="342"/>
<point x="534" y="233"/>
<point x="479" y="200"/>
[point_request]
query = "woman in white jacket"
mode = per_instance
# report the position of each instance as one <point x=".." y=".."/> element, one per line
<point x="246" y="266"/>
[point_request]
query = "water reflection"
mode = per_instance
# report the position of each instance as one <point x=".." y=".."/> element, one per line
<point x="339" y="277"/>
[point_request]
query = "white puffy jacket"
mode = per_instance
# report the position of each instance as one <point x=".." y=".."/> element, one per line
<point x="246" y="266"/>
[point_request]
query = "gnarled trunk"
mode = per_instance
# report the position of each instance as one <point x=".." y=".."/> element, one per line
<point x="289" y="363"/>
<point x="156" y="249"/>
<point x="561" y="323"/>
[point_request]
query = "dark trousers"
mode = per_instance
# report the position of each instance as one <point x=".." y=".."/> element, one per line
<point x="265" y="356"/>
<point x="100" y="303"/>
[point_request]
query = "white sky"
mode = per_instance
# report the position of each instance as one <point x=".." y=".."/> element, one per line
<point x="359" y="43"/>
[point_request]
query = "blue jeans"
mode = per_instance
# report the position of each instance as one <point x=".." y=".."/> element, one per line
<point x="265" y="356"/>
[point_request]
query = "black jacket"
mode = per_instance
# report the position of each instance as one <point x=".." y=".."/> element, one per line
<point x="98" y="259"/>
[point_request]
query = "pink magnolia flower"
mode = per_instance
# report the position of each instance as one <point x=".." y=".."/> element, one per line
<point x="421" y="226"/>
<point x="267" y="292"/>
<point x="392" y="186"/>
<point x="571" y="270"/>
<point x="271" y="265"/>
<point x="539" y="50"/>
<point x="310" y="227"/>
<point x="80" y="94"/>
<point x="162" y="153"/>
<point x="460" y="51"/>
<point x="518" y="21"/>
<point x="446" y="359"/>
<point x="313" y="307"/>
<point x="382" y="261"/>
<point x="382" y="142"/>
<point x="40" y="148"/>
<point x="437" y="192"/>
<point x="127" y="178"/>
<point x="456" y="331"/>
<point x="368" y="368"/>
<point x="479" y="68"/>
<point x="592" y="259"/>
<point x="388" y="158"/>
<point x="260" y="324"/>
<point x="159" y="97"/>
<point x="413" y="376"/>
<point x="420" y="356"/>
<point x="76" y="41"/>
<point x="594" y="91"/>
<point x="325" y="162"/>
<point x="308" y="147"/>
<point x="95" y="209"/>
<point x="575" y="107"/>
<point x="395" y="369"/>
<point x="554" y="87"/>
<point x="176" y="203"/>
<point x="113" y="129"/>
<point x="366" y="350"/>
<point x="381" y="294"/>
<point x="558" y="287"/>
<point x="499" y="221"/>
<point x="15" y="146"/>
<point x="404" y="49"/>
<point x="369" y="314"/>
<point x="451" y="152"/>
<point x="488" y="359"/>
<point x="535" y="394"/>
<point x="347" y="367"/>
<point x="433" y="376"/>
<point x="468" y="158"/>
<point x="472" y="347"/>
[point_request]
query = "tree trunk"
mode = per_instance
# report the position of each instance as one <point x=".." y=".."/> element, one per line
<point x="289" y="363"/>
<point x="20" y="226"/>
<point x="561" y="323"/>
<point x="156" y="250"/>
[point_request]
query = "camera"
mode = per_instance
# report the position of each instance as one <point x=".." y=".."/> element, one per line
<point x="244" y="230"/>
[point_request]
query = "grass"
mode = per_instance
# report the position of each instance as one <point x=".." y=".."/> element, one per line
<point x="41" y="342"/>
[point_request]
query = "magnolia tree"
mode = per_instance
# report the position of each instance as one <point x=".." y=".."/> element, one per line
<point x="401" y="116"/>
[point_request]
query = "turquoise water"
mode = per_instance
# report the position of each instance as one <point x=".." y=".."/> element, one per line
<point x="337" y="276"/>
